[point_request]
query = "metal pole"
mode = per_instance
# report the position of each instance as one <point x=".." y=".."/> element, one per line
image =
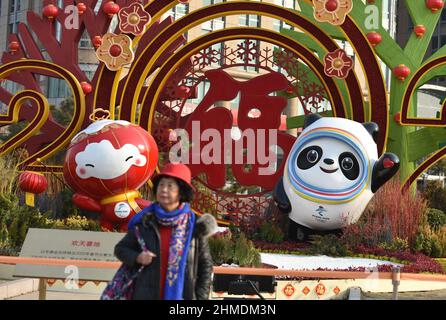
<point x="396" y="279"/>
<point x="42" y="289"/>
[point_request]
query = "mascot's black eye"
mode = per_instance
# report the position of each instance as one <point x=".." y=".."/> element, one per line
<point x="312" y="156"/>
<point x="349" y="165"/>
<point x="308" y="157"/>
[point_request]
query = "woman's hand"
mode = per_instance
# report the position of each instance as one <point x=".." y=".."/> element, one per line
<point x="145" y="258"/>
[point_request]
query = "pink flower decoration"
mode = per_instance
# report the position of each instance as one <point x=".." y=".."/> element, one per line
<point x="133" y="19"/>
<point x="337" y="64"/>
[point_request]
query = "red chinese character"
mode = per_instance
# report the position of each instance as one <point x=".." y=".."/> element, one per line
<point x="74" y="243"/>
<point x="257" y="93"/>
<point x="89" y="243"/>
<point x="97" y="244"/>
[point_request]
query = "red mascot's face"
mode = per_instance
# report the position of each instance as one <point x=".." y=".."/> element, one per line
<point x="110" y="158"/>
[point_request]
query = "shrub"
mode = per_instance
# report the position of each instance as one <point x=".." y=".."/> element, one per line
<point x="391" y="214"/>
<point x="431" y="243"/>
<point x="396" y="245"/>
<point x="329" y="245"/>
<point x="436" y="219"/>
<point x="270" y="233"/>
<point x="76" y="223"/>
<point x="221" y="248"/>
<point x="435" y="194"/>
<point x="234" y="248"/>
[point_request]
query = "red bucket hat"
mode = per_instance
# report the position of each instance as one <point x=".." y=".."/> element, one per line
<point x="176" y="170"/>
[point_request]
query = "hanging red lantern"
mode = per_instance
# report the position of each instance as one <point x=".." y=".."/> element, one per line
<point x="86" y="87"/>
<point x="97" y="41"/>
<point x="374" y="38"/>
<point x="419" y="30"/>
<point x="397" y="117"/>
<point x="401" y="72"/>
<point x="14" y="46"/>
<point x="81" y="7"/>
<point x="183" y="92"/>
<point x="32" y="183"/>
<point x="435" y="5"/>
<point x="111" y="8"/>
<point x="50" y="11"/>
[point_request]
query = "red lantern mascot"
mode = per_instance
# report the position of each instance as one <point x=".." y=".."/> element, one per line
<point x="105" y="164"/>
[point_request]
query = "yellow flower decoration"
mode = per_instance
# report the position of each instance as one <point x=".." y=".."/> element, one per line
<point x="116" y="51"/>
<point x="332" y="11"/>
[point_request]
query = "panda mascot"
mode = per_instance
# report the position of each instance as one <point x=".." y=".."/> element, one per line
<point x="330" y="175"/>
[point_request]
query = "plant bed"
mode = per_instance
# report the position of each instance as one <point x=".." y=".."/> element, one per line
<point x="418" y="262"/>
<point x="282" y="247"/>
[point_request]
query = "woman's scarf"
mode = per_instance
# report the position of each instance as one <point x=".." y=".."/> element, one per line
<point x="182" y="221"/>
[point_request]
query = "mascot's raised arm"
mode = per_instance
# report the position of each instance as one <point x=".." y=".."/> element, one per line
<point x="105" y="165"/>
<point x="331" y="173"/>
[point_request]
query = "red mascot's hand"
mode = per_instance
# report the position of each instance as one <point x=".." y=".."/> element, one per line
<point x="86" y="203"/>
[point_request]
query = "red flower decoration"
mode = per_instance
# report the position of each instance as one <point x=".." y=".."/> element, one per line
<point x="337" y="64"/>
<point x="133" y="19"/>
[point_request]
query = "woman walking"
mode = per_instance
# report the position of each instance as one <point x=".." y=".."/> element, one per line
<point x="178" y="264"/>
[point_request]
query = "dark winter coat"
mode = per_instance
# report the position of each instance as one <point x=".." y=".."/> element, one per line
<point x="198" y="273"/>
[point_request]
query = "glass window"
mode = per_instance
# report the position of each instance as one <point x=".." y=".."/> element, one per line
<point x="14" y="5"/>
<point x="98" y="6"/>
<point x="279" y="24"/>
<point x="85" y="41"/>
<point x="434" y="43"/>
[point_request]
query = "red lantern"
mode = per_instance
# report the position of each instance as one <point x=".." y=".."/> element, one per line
<point x="14" y="46"/>
<point x="419" y="30"/>
<point x="86" y="87"/>
<point x="106" y="164"/>
<point x="435" y="5"/>
<point x="32" y="183"/>
<point x="50" y="11"/>
<point x="401" y="72"/>
<point x="97" y="41"/>
<point x="290" y="89"/>
<point x="81" y="7"/>
<point x="183" y="92"/>
<point x="397" y="117"/>
<point x="111" y="8"/>
<point x="374" y="38"/>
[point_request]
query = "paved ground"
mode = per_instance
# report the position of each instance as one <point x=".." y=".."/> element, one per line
<point x="427" y="295"/>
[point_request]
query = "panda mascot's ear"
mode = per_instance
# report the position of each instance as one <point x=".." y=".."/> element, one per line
<point x="373" y="129"/>
<point x="310" y="119"/>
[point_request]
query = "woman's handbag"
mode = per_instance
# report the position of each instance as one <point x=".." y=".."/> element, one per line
<point x="122" y="285"/>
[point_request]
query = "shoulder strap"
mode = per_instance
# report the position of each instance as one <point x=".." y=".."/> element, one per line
<point x="141" y="241"/>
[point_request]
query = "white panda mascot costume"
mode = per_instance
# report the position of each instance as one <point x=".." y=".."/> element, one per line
<point x="330" y="175"/>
